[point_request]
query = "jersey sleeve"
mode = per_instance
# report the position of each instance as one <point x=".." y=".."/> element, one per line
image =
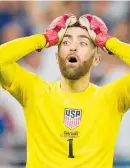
<point x="119" y="48"/>
<point x="120" y="88"/>
<point x="120" y="93"/>
<point x="13" y="77"/>
<point x="17" y="81"/>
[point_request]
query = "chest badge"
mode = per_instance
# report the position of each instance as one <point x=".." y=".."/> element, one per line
<point x="72" y="117"/>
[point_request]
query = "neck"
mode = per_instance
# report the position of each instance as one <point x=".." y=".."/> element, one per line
<point x="75" y="85"/>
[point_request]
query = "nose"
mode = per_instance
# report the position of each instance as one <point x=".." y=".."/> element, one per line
<point x="73" y="47"/>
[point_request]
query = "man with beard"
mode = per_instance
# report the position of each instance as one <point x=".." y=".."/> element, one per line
<point x="71" y="123"/>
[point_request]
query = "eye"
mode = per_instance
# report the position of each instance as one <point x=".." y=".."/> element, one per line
<point x="65" y="42"/>
<point x="83" y="43"/>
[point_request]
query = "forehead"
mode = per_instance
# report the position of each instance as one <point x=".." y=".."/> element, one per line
<point x="76" y="31"/>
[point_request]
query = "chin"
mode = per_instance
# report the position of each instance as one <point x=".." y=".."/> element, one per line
<point x="72" y="76"/>
<point x="73" y="72"/>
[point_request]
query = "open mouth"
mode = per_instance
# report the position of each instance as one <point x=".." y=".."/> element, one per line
<point x="73" y="59"/>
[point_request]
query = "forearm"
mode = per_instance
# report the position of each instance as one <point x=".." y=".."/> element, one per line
<point x="14" y="50"/>
<point x="120" y="49"/>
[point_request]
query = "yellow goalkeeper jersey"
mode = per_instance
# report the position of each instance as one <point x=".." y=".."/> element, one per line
<point x="64" y="130"/>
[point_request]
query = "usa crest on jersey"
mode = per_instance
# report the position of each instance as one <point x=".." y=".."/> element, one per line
<point x="72" y="118"/>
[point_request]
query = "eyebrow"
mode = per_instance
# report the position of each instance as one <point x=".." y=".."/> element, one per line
<point x="81" y="36"/>
<point x="68" y="35"/>
<point x="84" y="36"/>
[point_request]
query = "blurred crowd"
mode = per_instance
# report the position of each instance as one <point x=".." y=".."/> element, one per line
<point x="24" y="18"/>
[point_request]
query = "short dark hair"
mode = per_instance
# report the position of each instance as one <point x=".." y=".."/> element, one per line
<point x="76" y="24"/>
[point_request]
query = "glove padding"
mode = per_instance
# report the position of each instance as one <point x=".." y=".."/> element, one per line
<point x="97" y="30"/>
<point x="55" y="32"/>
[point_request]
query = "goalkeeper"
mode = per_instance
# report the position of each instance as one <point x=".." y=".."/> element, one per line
<point x="70" y="123"/>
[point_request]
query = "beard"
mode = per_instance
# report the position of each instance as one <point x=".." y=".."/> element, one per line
<point x="74" y="72"/>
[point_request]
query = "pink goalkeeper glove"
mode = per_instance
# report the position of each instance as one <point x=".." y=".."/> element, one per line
<point x="97" y="29"/>
<point x="55" y="32"/>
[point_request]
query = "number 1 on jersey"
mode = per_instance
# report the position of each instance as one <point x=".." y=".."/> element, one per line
<point x="70" y="148"/>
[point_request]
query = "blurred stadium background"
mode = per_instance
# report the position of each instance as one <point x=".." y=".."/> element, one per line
<point x="23" y="18"/>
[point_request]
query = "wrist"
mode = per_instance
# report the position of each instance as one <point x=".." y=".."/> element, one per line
<point x="41" y="41"/>
<point x="111" y="41"/>
<point x="110" y="44"/>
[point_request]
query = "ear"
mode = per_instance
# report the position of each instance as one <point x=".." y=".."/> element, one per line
<point x="57" y="57"/>
<point x="96" y="60"/>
